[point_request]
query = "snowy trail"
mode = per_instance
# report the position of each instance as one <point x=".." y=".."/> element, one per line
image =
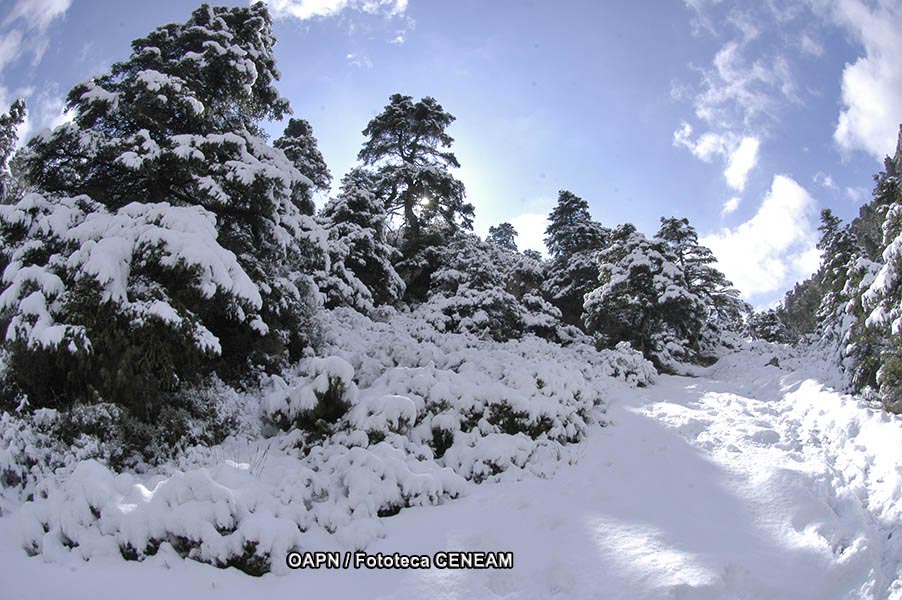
<point x="765" y="487"/>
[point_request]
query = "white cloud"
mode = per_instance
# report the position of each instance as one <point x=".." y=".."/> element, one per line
<point x="361" y="61"/>
<point x="37" y="14"/>
<point x="730" y="205"/>
<point x="737" y="92"/>
<point x="824" y="180"/>
<point x="811" y="46"/>
<point x="774" y="248"/>
<point x="308" y="9"/>
<point x="872" y="86"/>
<point x="740" y="154"/>
<point x="24" y="30"/>
<point x="530" y="231"/>
<point x="706" y="146"/>
<point x="742" y="160"/>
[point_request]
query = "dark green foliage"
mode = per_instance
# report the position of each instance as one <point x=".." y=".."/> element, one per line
<point x="573" y="239"/>
<point x="409" y="147"/>
<point x="484" y="288"/>
<point x="800" y="308"/>
<point x="175" y="127"/>
<point x="504" y="235"/>
<point x="642" y="298"/>
<point x="361" y="274"/>
<point x="724" y="309"/>
<point x="770" y="327"/>
<point x="300" y="147"/>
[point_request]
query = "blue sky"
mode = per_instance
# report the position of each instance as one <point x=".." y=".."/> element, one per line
<point x="747" y="118"/>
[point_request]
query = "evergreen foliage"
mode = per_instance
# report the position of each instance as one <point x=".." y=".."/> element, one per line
<point x="484" y="288"/>
<point x="9" y="124"/>
<point x="504" y="235"/>
<point x="768" y="326"/>
<point x="573" y="239"/>
<point x="409" y="147"/>
<point x="300" y="147"/>
<point x="724" y="310"/>
<point x="167" y="240"/>
<point x="361" y="274"/>
<point x="643" y="298"/>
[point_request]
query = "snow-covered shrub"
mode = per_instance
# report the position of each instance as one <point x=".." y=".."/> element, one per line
<point x="225" y="515"/>
<point x="403" y="415"/>
<point x="121" y="307"/>
<point x="320" y="397"/>
<point x="629" y="365"/>
<point x="43" y="445"/>
<point x="463" y="387"/>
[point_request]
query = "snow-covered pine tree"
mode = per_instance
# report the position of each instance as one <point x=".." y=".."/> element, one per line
<point x="483" y="288"/>
<point x="300" y="146"/>
<point x="165" y="242"/>
<point x="9" y="124"/>
<point x="724" y="310"/>
<point x="769" y="326"/>
<point x="361" y="274"/>
<point x="409" y="147"/>
<point x="573" y="239"/>
<point x="504" y="235"/>
<point x="882" y="300"/>
<point x="642" y="297"/>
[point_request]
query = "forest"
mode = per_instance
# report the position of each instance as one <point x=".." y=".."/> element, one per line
<point x="171" y="292"/>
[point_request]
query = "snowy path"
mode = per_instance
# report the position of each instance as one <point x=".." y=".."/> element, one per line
<point x="761" y="488"/>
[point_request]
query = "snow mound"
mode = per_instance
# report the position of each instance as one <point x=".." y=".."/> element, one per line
<point x="395" y="415"/>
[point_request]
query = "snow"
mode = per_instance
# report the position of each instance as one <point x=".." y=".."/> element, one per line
<point x="746" y="481"/>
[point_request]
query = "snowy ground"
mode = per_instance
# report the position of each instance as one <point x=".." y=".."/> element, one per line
<point x="746" y="482"/>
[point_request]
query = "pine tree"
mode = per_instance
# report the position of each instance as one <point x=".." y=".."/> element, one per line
<point x="361" y="273"/>
<point x="300" y="147"/>
<point x="408" y="144"/>
<point x="9" y="123"/>
<point x="882" y="300"/>
<point x="169" y="139"/>
<point x="768" y="326"/>
<point x="642" y="297"/>
<point x="573" y="239"/>
<point x="723" y="306"/>
<point x="483" y="288"/>
<point x="409" y="147"/>
<point x="504" y="235"/>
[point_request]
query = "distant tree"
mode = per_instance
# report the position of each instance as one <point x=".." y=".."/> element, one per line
<point x="9" y="124"/>
<point x="299" y="145"/>
<point x="504" y="235"/>
<point x="483" y="288"/>
<point x="800" y="306"/>
<point x="642" y="297"/>
<point x="769" y="326"/>
<point x="361" y="274"/>
<point x="409" y="147"/>
<point x="723" y="307"/>
<point x="573" y="239"/>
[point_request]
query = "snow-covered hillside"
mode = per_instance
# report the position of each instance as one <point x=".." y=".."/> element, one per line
<point x="748" y="481"/>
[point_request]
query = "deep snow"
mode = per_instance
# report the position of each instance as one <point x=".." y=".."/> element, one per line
<point x="746" y="482"/>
